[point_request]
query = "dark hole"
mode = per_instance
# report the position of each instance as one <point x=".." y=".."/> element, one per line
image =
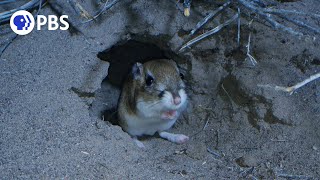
<point x="121" y="57"/>
<point x="111" y="116"/>
<point x="315" y="61"/>
<point x="124" y="55"/>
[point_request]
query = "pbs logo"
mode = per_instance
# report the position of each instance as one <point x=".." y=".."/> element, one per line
<point x="22" y="22"/>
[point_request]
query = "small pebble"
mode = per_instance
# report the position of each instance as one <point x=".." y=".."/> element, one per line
<point x="315" y="148"/>
<point x="247" y="161"/>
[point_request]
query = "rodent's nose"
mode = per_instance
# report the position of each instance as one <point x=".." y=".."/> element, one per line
<point x="177" y="100"/>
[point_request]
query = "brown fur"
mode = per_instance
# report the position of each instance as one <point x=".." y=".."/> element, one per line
<point x="135" y="88"/>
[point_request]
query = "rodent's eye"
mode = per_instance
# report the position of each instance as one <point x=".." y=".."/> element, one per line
<point x="181" y="76"/>
<point x="149" y="80"/>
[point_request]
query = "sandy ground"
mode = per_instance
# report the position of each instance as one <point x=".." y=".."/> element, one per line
<point x="52" y="94"/>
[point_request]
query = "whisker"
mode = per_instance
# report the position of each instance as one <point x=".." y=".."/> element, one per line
<point x="140" y="101"/>
<point x="151" y="105"/>
<point x="159" y="90"/>
<point x="148" y="102"/>
<point x="154" y="104"/>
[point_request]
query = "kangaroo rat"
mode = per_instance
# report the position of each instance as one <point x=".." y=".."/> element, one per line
<point x="152" y="99"/>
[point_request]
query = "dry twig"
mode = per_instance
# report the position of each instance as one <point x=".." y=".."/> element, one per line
<point x="268" y="17"/>
<point x="239" y="24"/>
<point x="106" y="6"/>
<point x="7" y="45"/>
<point x="5" y="16"/>
<point x="291" y="89"/>
<point x="291" y="176"/>
<point x="267" y="14"/>
<point x="210" y="16"/>
<point x="79" y="9"/>
<point x="213" y="152"/>
<point x="300" y="23"/>
<point x="251" y="58"/>
<point x="186" y="6"/>
<point x="206" y="125"/>
<point x="7" y="1"/>
<point x="264" y="12"/>
<point x="212" y="31"/>
<point x="283" y="11"/>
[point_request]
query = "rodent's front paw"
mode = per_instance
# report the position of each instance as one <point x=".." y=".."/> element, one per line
<point x="180" y="138"/>
<point x="176" y="138"/>
<point x="139" y="143"/>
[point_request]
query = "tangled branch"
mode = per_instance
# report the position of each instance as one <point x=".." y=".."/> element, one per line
<point x="106" y="6"/>
<point x="209" y="33"/>
<point x="265" y="11"/>
<point x="5" y="16"/>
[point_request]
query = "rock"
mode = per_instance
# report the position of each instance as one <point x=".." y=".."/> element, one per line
<point x="247" y="161"/>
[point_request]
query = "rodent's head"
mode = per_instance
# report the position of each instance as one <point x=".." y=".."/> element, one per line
<point x="159" y="86"/>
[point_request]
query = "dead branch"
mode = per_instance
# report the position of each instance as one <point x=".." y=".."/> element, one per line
<point x="283" y="11"/>
<point x="7" y="1"/>
<point x="39" y="8"/>
<point x="291" y="89"/>
<point x="8" y="44"/>
<point x="269" y="15"/>
<point x="213" y="152"/>
<point x="106" y="6"/>
<point x="291" y="176"/>
<point x="251" y="58"/>
<point x="5" y="16"/>
<point x="206" y="125"/>
<point x="212" y="31"/>
<point x="79" y="9"/>
<point x="239" y="25"/>
<point x="186" y="6"/>
<point x="210" y="16"/>
<point x="300" y="23"/>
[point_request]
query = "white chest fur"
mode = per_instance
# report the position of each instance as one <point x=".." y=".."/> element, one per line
<point x="148" y="120"/>
<point x="145" y="126"/>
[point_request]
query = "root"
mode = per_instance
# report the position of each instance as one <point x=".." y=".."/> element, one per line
<point x="251" y="58"/>
<point x="291" y="89"/>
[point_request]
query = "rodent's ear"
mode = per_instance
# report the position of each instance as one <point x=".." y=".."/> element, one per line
<point x="137" y="70"/>
<point x="172" y="62"/>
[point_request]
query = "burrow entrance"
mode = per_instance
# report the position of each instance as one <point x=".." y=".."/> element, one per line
<point x="121" y="57"/>
<point x="141" y="49"/>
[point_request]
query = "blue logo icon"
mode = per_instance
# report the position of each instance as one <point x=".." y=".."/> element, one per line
<point x="22" y="22"/>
